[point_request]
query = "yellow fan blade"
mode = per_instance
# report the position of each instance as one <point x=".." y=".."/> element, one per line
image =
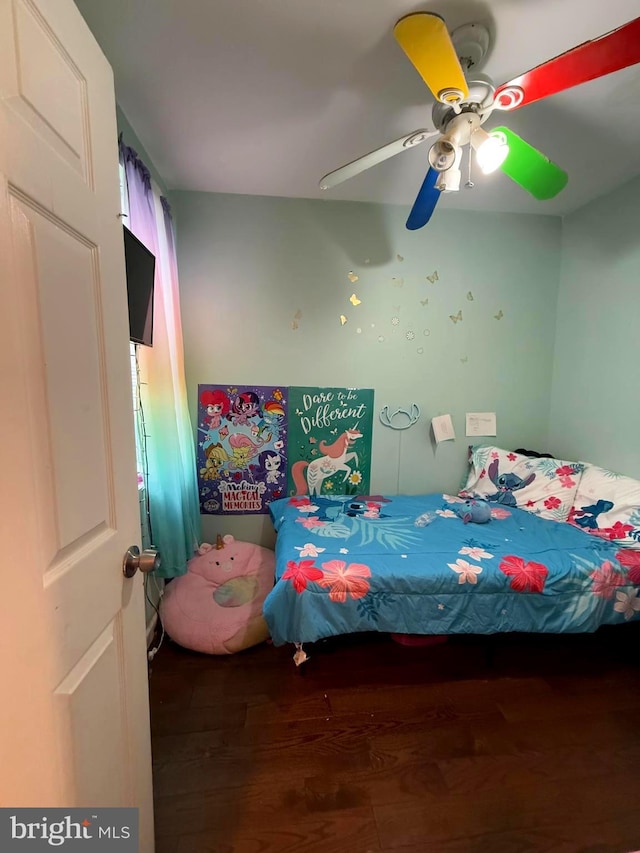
<point x="424" y="38"/>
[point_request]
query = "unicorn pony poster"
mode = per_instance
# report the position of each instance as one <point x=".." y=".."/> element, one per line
<point x="330" y="432"/>
<point x="241" y="448"/>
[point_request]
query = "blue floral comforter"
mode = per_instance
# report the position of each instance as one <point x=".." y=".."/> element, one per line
<point x="345" y="565"/>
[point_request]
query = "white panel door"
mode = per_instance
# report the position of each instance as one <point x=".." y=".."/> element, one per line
<point x="74" y="717"/>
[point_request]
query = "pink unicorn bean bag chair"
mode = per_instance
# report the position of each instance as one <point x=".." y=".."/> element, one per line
<point x="216" y="607"/>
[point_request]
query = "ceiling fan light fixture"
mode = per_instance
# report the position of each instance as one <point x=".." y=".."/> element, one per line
<point x="491" y="150"/>
<point x="442" y="155"/>
<point x="449" y="181"/>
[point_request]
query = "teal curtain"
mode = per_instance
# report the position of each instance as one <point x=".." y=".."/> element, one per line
<point x="168" y="448"/>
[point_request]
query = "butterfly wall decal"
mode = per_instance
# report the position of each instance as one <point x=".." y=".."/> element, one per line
<point x="433" y="277"/>
<point x="457" y="318"/>
<point x="424" y="302"/>
<point x="499" y="315"/>
<point x="343" y="319"/>
<point x="353" y="299"/>
<point x="399" y="257"/>
<point x="470" y="296"/>
<point x="352" y="276"/>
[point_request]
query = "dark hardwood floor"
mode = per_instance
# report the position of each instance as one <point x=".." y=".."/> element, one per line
<point x="506" y="744"/>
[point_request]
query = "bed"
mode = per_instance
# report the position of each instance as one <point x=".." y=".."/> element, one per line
<point x="370" y="563"/>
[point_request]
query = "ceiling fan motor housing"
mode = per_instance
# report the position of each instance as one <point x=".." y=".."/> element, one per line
<point x="471" y="43"/>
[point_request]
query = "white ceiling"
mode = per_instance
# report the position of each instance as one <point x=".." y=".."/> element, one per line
<point x="266" y="96"/>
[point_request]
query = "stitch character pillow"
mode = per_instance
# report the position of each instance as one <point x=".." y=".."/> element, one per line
<point x="608" y="505"/>
<point x="543" y="486"/>
<point x="216" y="607"/>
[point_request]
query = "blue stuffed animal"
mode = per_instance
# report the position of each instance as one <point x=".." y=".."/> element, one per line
<point x="475" y="511"/>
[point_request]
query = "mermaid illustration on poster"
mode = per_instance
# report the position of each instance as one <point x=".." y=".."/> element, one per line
<point x="241" y="451"/>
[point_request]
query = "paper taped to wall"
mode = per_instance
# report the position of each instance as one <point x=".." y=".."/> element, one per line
<point x="481" y="423"/>
<point x="442" y="427"/>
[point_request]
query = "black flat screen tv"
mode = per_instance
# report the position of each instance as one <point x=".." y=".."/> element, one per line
<point x="140" y="266"/>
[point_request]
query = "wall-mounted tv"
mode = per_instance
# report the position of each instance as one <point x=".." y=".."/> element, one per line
<point x="140" y="265"/>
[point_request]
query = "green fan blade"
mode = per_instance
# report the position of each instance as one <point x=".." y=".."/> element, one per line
<point x="530" y="168"/>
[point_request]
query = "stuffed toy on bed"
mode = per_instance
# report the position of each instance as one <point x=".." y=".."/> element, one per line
<point x="216" y="607"/>
<point x="478" y="512"/>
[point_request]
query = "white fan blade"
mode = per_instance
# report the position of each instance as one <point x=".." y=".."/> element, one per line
<point x="375" y="157"/>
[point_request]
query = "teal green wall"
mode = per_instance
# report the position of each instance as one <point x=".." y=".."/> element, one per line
<point x="595" y="410"/>
<point x="248" y="264"/>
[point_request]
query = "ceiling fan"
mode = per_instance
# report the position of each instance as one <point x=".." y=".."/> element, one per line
<point x="464" y="102"/>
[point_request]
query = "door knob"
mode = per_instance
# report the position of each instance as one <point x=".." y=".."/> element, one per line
<point x="148" y="561"/>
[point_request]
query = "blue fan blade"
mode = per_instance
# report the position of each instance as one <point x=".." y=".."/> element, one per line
<point x="425" y="202"/>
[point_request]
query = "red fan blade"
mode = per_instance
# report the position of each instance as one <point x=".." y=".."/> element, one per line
<point x="611" y="52"/>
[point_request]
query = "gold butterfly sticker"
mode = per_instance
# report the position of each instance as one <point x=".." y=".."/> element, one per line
<point x="294" y="325"/>
<point x="457" y="318"/>
<point x="343" y="319"/>
<point x="470" y="296"/>
<point x="353" y="299"/>
<point x="433" y="277"/>
<point x="499" y="315"/>
<point x="352" y="276"/>
<point x="424" y="302"/>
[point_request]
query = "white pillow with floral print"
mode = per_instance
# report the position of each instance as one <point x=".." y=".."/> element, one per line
<point x="545" y="487"/>
<point x="608" y="505"/>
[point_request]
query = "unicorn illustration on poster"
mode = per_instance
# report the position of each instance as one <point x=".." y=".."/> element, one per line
<point x="309" y="476"/>
<point x="329" y="441"/>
